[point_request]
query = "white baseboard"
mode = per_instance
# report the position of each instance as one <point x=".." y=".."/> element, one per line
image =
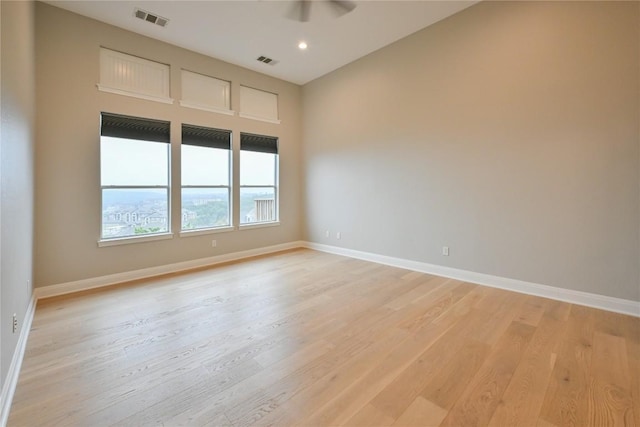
<point x="574" y="297"/>
<point x="9" y="386"/>
<point x="602" y="302"/>
<point x="113" y="279"/>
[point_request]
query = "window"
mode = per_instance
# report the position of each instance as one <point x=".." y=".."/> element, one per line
<point x="132" y="76"/>
<point x="205" y="93"/>
<point x="206" y="195"/>
<point x="258" y="179"/>
<point x="134" y="176"/>
<point x="258" y="105"/>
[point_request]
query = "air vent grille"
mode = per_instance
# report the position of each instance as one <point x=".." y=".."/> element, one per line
<point x="150" y="17"/>
<point x="267" y="60"/>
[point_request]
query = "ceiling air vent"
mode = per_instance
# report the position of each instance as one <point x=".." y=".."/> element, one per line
<point x="150" y="17"/>
<point x="267" y="60"/>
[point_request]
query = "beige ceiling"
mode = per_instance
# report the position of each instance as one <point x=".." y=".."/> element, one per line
<point x="240" y="31"/>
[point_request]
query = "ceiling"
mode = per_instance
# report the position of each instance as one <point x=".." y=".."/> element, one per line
<point x="239" y="31"/>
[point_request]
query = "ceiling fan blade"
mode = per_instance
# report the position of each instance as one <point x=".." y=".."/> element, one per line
<point x="301" y="9"/>
<point x="346" y="6"/>
<point x="305" y="9"/>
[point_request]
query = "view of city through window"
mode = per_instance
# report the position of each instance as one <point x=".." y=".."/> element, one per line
<point x="135" y="187"/>
<point x="130" y="212"/>
<point x="205" y="186"/>
<point x="205" y="208"/>
<point x="257" y="186"/>
<point x="136" y="211"/>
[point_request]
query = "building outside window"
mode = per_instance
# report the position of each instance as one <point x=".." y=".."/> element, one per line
<point x="206" y="189"/>
<point x="134" y="176"/>
<point x="258" y="179"/>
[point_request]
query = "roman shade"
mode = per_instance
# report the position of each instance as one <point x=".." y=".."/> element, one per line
<point x="120" y="126"/>
<point x="206" y="137"/>
<point x="259" y="143"/>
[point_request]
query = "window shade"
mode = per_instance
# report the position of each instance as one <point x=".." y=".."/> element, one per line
<point x="206" y="137"/>
<point x="259" y="143"/>
<point x="119" y="126"/>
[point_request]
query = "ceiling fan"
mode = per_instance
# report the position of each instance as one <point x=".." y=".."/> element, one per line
<point x="341" y="7"/>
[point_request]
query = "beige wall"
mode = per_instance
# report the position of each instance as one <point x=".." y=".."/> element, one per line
<point x="508" y="132"/>
<point x="67" y="160"/>
<point x="16" y="170"/>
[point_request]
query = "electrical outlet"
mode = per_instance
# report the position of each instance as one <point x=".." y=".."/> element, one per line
<point x="15" y="323"/>
<point x="214" y="243"/>
<point x="338" y="235"/>
<point x="445" y="250"/>
<point x="326" y="233"/>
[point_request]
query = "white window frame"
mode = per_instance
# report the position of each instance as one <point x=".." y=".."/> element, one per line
<point x="276" y="195"/>
<point x="117" y="240"/>
<point x="229" y="187"/>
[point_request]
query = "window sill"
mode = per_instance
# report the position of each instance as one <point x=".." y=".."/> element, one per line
<point x="117" y="91"/>
<point x="202" y="231"/>
<point x="259" y="225"/>
<point x="261" y="119"/>
<point x="134" y="239"/>
<point x="208" y="108"/>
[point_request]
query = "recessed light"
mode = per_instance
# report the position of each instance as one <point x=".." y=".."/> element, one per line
<point x="302" y="45"/>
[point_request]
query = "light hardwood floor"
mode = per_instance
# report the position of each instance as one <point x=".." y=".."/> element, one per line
<point x="308" y="338"/>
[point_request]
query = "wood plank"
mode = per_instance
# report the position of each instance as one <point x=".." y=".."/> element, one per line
<point x="632" y="335"/>
<point x="215" y="394"/>
<point x="523" y="398"/>
<point x="421" y="413"/>
<point x="565" y="402"/>
<point x="478" y="402"/>
<point x="532" y="311"/>
<point x="346" y="402"/>
<point x="425" y="310"/>
<point x="425" y="286"/>
<point x="394" y="399"/>
<point x="319" y="388"/>
<point x="369" y="416"/>
<point x="610" y="385"/>
<point x="446" y="385"/>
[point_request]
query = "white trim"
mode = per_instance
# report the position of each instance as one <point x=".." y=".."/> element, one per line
<point x="250" y="225"/>
<point x="134" y="239"/>
<point x="3" y="413"/>
<point x="262" y="119"/>
<point x="197" y="106"/>
<point x="113" y="279"/>
<point x="11" y="381"/>
<point x="203" y="231"/>
<point x="108" y="89"/>
<point x="602" y="302"/>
